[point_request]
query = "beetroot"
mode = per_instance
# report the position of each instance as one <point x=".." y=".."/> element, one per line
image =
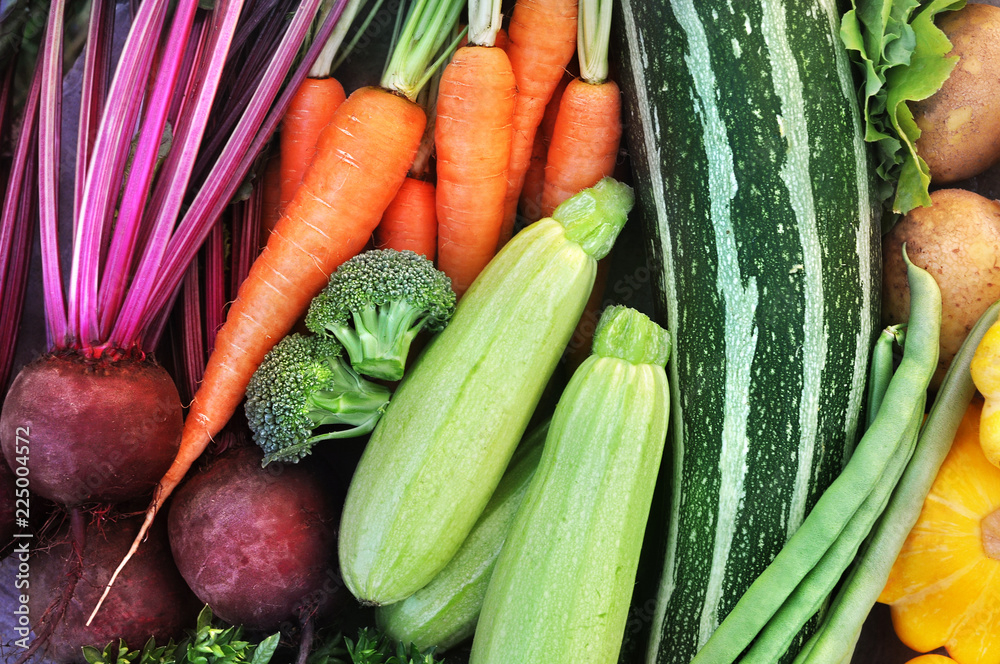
<point x="98" y="430"/>
<point x="256" y="544"/>
<point x="150" y="597"/>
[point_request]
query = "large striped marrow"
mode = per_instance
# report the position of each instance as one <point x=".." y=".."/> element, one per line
<point x="757" y="195"/>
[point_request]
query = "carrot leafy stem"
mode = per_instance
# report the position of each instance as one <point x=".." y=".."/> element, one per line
<point x="593" y="34"/>
<point x="426" y="31"/>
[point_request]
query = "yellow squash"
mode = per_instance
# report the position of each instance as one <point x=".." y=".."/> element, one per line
<point x="944" y="588"/>
<point x="985" y="368"/>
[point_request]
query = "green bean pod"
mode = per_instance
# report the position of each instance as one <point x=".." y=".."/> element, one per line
<point x="861" y="589"/>
<point x="809" y="596"/>
<point x="881" y="368"/>
<point x="835" y="508"/>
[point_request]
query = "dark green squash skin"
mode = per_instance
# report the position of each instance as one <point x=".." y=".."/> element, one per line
<point x="756" y="192"/>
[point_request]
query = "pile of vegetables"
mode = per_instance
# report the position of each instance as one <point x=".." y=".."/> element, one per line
<point x="483" y="358"/>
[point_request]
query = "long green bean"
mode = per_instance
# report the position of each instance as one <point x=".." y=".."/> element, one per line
<point x="836" y="506"/>
<point x="880" y="372"/>
<point x="814" y="591"/>
<point x="776" y="637"/>
<point x="867" y="579"/>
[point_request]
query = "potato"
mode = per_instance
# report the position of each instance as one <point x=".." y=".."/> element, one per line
<point x="957" y="240"/>
<point x="960" y="124"/>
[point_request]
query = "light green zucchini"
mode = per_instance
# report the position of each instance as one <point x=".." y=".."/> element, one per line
<point x="562" y="585"/>
<point x="443" y="443"/>
<point x="444" y="612"/>
<point x="756" y="190"/>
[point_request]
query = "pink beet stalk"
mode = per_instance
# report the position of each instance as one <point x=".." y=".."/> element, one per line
<point x="15" y="223"/>
<point x="158" y="276"/>
<point x="143" y="162"/>
<point x="104" y="175"/>
<point x="96" y="65"/>
<point x="50" y="115"/>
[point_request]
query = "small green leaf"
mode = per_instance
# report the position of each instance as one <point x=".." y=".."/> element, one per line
<point x="93" y="655"/>
<point x="204" y="619"/>
<point x="263" y="653"/>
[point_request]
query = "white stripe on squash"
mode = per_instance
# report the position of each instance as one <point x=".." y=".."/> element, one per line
<point x="796" y="175"/>
<point x="740" y="304"/>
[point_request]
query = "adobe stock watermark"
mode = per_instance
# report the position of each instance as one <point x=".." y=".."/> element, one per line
<point x="22" y="536"/>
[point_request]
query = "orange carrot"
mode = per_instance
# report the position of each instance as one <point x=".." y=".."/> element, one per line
<point x="585" y="134"/>
<point x="473" y="138"/>
<point x="552" y="108"/>
<point x="362" y="159"/>
<point x="530" y="204"/>
<point x="410" y="221"/>
<point x="588" y="126"/>
<point x="270" y="210"/>
<point x="542" y="42"/>
<point x="585" y="141"/>
<point x="313" y="105"/>
<point x="502" y="41"/>
<point x="309" y="112"/>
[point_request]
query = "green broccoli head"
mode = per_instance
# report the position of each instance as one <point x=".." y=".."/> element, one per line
<point x="377" y="302"/>
<point x="304" y="384"/>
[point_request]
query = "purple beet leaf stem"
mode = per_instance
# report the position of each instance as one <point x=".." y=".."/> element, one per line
<point x="49" y="121"/>
<point x="104" y="174"/>
<point x="93" y="91"/>
<point x="234" y="163"/>
<point x="147" y="152"/>
<point x="125" y="331"/>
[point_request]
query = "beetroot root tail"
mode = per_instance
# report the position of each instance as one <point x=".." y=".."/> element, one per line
<point x="151" y="511"/>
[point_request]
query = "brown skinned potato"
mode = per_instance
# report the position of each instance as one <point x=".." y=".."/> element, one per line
<point x="960" y="124"/>
<point x="957" y="240"/>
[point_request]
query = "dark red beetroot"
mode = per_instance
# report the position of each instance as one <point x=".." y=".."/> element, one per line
<point x="256" y="544"/>
<point x="150" y="598"/>
<point x="98" y="430"/>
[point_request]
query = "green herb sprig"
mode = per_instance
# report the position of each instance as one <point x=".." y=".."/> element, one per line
<point x="208" y="643"/>
<point x="214" y="643"/>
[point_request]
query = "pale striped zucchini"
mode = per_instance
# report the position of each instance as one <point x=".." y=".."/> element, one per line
<point x="561" y="588"/>
<point x="755" y="186"/>
<point x="445" y="611"/>
<point x="442" y="445"/>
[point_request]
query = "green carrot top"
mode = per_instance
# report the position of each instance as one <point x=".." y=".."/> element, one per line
<point x="419" y="49"/>
<point x="594" y="217"/>
<point x="630" y="335"/>
<point x="593" y="35"/>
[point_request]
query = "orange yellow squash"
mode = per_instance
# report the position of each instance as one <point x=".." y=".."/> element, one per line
<point x="944" y="588"/>
<point x="931" y="659"/>
<point x="985" y="370"/>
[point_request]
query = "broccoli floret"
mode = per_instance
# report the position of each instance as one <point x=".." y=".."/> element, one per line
<point x="304" y="384"/>
<point x="377" y="302"/>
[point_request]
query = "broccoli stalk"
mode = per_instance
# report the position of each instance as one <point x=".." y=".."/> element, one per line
<point x="376" y="303"/>
<point x="304" y="384"/>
